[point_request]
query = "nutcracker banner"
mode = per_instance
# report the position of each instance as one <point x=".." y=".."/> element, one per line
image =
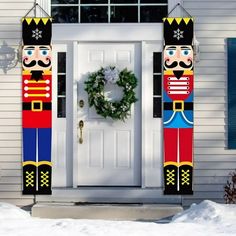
<point x="36" y="104"/>
<point x="178" y="105"/>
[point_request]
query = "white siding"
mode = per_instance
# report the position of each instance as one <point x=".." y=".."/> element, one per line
<point x="11" y="12"/>
<point x="214" y="22"/>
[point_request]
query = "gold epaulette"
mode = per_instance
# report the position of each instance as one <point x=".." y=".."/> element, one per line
<point x="28" y="72"/>
<point x="170" y="72"/>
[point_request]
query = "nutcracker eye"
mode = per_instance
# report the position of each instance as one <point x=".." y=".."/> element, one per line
<point x="44" y="52"/>
<point x="29" y="52"/>
<point x="186" y="52"/>
<point x="170" y="52"/>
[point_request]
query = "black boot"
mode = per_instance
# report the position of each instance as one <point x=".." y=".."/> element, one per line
<point x="171" y="179"/>
<point x="44" y="179"/>
<point x="29" y="179"/>
<point x="186" y="179"/>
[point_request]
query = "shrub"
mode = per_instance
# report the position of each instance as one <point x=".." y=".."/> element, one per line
<point x="230" y="189"/>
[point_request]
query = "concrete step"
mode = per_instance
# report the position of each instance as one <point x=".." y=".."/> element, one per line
<point x="105" y="211"/>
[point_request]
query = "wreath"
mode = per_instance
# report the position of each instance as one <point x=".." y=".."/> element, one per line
<point x="94" y="86"/>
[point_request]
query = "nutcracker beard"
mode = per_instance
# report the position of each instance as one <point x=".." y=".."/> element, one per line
<point x="36" y="74"/>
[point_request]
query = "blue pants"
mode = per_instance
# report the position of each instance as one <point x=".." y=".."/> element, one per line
<point x="37" y="140"/>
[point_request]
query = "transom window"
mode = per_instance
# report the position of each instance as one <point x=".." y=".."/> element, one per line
<point x="108" y="11"/>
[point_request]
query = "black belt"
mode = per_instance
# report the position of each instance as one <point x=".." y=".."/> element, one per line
<point x="178" y="106"/>
<point x="37" y="106"/>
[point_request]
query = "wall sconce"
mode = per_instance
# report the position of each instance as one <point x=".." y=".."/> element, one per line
<point x="9" y="57"/>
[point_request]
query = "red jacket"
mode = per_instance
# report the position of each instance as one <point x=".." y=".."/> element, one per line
<point x="178" y="89"/>
<point x="36" y="97"/>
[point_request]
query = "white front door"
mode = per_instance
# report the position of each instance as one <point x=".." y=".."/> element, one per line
<point x="110" y="154"/>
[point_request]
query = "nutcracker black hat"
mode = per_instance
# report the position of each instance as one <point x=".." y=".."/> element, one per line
<point x="178" y="31"/>
<point x="36" y="31"/>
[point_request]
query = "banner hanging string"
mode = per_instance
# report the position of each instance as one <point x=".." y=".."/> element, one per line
<point x="179" y="5"/>
<point x="34" y="8"/>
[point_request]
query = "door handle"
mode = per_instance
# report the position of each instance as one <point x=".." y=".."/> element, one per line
<point x="81" y="126"/>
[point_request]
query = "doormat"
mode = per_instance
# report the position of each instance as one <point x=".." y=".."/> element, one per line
<point x="178" y="105"/>
<point x="36" y="105"/>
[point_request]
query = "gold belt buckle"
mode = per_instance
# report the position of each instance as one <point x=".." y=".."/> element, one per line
<point x="33" y="103"/>
<point x="176" y="103"/>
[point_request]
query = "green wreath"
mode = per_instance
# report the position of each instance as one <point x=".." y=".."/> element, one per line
<point x="94" y="86"/>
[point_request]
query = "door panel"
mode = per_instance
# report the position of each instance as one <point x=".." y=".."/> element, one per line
<point x="110" y="154"/>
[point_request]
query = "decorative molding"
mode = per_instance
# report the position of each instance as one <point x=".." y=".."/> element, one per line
<point x="108" y="32"/>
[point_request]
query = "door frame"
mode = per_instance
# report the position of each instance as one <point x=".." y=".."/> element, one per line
<point x="144" y="34"/>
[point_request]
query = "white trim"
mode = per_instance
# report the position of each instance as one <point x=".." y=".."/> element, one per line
<point x="69" y="112"/>
<point x="107" y="32"/>
<point x="144" y="79"/>
<point x="75" y="101"/>
<point x="64" y="178"/>
<point x="151" y="167"/>
<point x="59" y="125"/>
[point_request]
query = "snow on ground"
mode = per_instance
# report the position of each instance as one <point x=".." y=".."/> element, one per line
<point x="207" y="211"/>
<point x="8" y="212"/>
<point x="205" y="219"/>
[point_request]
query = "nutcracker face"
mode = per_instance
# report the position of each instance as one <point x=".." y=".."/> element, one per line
<point x="178" y="58"/>
<point x="37" y="58"/>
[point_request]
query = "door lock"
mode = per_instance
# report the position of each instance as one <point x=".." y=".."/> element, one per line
<point x="81" y="126"/>
<point x="81" y="103"/>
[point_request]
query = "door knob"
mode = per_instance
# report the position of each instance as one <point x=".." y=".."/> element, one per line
<point x="81" y="126"/>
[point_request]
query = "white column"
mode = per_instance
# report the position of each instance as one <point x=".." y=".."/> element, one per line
<point x="46" y="5"/>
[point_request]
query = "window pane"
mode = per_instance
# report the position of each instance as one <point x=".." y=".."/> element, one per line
<point x="157" y="62"/>
<point x="65" y="14"/>
<point x="65" y="1"/>
<point x="124" y="1"/>
<point x="94" y="14"/>
<point x="61" y="62"/>
<point x="61" y="83"/>
<point x="153" y="13"/>
<point x="157" y="85"/>
<point x="93" y="1"/>
<point x="153" y="1"/>
<point x="124" y="14"/>
<point x="61" y="107"/>
<point x="157" y="113"/>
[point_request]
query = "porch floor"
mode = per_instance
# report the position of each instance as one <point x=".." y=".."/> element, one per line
<point x="138" y="212"/>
